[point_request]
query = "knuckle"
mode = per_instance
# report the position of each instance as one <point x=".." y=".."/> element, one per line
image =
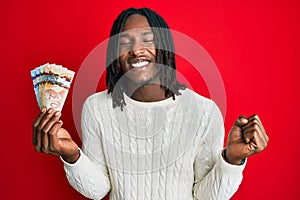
<point x="256" y="116"/>
<point x="44" y="130"/>
<point x="55" y="115"/>
<point x="49" y="115"/>
<point x="255" y="121"/>
<point x="256" y="126"/>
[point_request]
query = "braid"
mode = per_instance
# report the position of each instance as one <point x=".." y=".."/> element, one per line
<point x="164" y="55"/>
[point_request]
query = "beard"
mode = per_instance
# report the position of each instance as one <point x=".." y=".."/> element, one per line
<point x="144" y="82"/>
<point x="142" y="78"/>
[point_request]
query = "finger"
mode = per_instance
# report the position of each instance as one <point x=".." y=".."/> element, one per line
<point x="250" y="131"/>
<point x="257" y="144"/>
<point x="253" y="136"/>
<point x="36" y="123"/>
<point x="46" y="128"/>
<point x="53" y="139"/>
<point x="236" y="131"/>
<point x="264" y="133"/>
<point x="260" y="131"/>
<point x="40" y="126"/>
<point x="241" y="121"/>
<point x="254" y="119"/>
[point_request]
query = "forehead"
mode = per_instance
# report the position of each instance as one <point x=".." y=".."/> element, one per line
<point x="136" y="22"/>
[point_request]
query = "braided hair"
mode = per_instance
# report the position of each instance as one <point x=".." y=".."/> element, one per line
<point x="164" y="55"/>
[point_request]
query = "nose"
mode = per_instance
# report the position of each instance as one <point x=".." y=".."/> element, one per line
<point x="136" y="48"/>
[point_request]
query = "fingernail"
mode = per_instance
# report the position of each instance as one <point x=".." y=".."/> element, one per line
<point x="57" y="113"/>
<point x="246" y="120"/>
<point x="50" y="110"/>
<point x="243" y="120"/>
<point x="43" y="110"/>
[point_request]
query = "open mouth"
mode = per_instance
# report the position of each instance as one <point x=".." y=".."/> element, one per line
<point x="140" y="63"/>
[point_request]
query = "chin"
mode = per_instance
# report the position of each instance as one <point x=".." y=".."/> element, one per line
<point x="142" y="82"/>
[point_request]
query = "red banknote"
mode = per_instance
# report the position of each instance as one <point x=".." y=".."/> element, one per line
<point x="51" y="85"/>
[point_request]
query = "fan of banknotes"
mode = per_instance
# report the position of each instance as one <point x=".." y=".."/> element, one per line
<point x="51" y="85"/>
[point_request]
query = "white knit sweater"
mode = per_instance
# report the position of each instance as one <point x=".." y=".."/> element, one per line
<point x="166" y="150"/>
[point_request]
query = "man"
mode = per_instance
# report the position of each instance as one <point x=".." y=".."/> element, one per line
<point x="147" y="136"/>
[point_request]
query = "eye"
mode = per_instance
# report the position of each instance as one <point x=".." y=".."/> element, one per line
<point x="148" y="40"/>
<point x="125" y="42"/>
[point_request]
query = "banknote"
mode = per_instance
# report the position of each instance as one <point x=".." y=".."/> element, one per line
<point x="51" y="85"/>
<point x="35" y="74"/>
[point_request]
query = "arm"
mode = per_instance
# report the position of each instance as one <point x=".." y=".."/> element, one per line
<point x="89" y="175"/>
<point x="214" y="178"/>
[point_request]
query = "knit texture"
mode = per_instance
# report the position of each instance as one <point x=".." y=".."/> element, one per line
<point x="165" y="150"/>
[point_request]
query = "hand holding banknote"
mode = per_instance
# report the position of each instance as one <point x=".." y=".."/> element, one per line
<point x="49" y="137"/>
<point x="51" y="85"/>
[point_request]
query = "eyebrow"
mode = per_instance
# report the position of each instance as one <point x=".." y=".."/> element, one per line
<point x="147" y="33"/>
<point x="122" y="35"/>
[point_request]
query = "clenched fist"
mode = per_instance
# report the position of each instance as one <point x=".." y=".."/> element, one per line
<point x="246" y="137"/>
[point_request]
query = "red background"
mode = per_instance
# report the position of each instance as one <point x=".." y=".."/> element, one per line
<point x="255" y="45"/>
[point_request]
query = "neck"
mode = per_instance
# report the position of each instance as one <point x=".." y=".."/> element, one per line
<point x="147" y="93"/>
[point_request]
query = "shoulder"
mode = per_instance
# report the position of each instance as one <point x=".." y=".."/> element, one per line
<point x="198" y="101"/>
<point x="99" y="101"/>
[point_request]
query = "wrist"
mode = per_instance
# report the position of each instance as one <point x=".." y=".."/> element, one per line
<point x="72" y="158"/>
<point x="231" y="161"/>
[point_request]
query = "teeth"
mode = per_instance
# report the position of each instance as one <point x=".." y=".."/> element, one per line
<point x="140" y="63"/>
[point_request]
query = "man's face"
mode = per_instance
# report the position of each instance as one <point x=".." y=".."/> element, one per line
<point x="137" y="50"/>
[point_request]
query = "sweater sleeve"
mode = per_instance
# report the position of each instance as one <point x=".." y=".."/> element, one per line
<point x="214" y="178"/>
<point x="89" y="175"/>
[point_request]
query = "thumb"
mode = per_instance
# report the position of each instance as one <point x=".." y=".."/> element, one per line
<point x="241" y="121"/>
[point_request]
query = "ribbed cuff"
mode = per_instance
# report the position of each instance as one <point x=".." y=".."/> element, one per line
<point x="71" y="165"/>
<point x="229" y="168"/>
